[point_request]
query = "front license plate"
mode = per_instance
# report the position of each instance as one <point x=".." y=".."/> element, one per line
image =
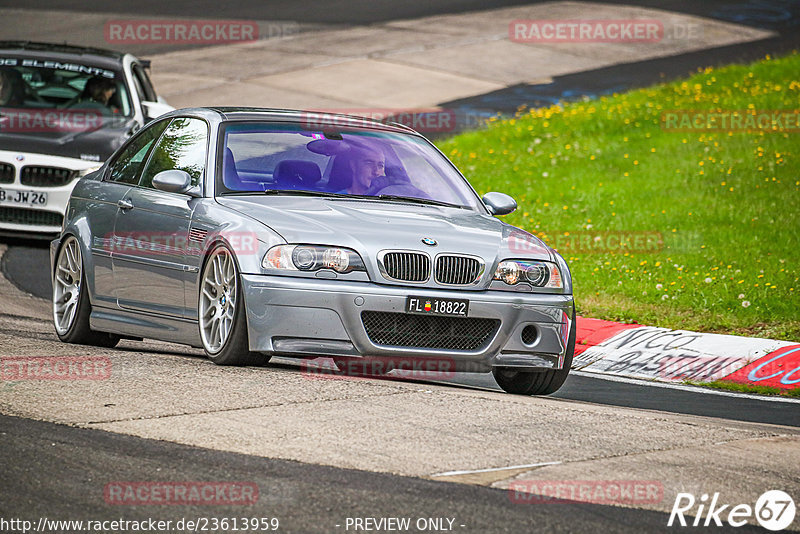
<point x="22" y="198"/>
<point x="437" y="306"/>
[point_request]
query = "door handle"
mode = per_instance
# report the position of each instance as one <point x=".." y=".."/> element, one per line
<point x="125" y="204"/>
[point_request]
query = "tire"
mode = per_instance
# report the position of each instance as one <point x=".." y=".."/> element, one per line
<point x="536" y="382"/>
<point x="222" y="323"/>
<point x="71" y="306"/>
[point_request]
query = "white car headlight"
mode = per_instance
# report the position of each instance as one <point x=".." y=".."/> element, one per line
<point x="312" y="258"/>
<point x="536" y="273"/>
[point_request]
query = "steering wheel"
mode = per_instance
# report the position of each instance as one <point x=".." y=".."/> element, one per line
<point x="402" y="189"/>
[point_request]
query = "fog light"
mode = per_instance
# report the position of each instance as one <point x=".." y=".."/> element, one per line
<point x="529" y="335"/>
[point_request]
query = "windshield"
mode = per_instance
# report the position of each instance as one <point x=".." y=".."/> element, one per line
<point x="39" y="95"/>
<point x="285" y="158"/>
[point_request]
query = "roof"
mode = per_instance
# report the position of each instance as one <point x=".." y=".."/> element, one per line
<point x="312" y="116"/>
<point x="54" y="51"/>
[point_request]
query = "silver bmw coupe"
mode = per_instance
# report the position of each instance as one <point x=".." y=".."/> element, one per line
<point x="255" y="232"/>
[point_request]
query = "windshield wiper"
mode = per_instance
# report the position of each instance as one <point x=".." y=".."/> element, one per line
<point x="417" y="200"/>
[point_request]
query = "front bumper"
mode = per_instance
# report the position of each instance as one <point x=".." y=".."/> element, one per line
<point x="304" y="317"/>
<point x="36" y="219"/>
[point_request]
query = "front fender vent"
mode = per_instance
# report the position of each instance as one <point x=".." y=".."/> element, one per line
<point x="198" y="235"/>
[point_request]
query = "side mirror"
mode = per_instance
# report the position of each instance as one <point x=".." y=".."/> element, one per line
<point x="153" y="110"/>
<point x="499" y="203"/>
<point x="174" y="181"/>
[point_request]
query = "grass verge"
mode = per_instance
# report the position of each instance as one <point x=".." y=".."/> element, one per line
<point x="694" y="228"/>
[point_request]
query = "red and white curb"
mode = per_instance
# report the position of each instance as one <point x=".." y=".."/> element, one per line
<point x="646" y="352"/>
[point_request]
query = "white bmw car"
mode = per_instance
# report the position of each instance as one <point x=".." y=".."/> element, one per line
<point x="63" y="112"/>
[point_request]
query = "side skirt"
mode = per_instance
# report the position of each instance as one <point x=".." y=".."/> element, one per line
<point x="137" y="324"/>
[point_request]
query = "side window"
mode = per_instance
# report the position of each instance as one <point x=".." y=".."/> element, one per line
<point x="139" y="89"/>
<point x="128" y="165"/>
<point x="183" y="147"/>
<point x="143" y="85"/>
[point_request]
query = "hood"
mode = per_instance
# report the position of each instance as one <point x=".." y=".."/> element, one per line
<point x="371" y="226"/>
<point x="96" y="144"/>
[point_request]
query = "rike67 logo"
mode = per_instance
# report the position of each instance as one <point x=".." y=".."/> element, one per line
<point x="774" y="510"/>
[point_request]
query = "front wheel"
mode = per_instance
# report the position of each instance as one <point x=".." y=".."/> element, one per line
<point x="536" y="382"/>
<point x="222" y="315"/>
<point x="71" y="306"/>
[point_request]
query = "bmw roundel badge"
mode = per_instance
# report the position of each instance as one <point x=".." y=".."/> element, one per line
<point x="428" y="241"/>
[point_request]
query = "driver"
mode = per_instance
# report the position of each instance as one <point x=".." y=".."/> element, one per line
<point x="365" y="170"/>
<point x="12" y="88"/>
<point x="366" y="165"/>
<point x="97" y="94"/>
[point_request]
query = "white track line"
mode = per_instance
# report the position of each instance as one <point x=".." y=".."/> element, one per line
<point x="453" y="473"/>
<point x="684" y="387"/>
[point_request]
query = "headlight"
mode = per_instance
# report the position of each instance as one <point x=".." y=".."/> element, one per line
<point x="312" y="258"/>
<point x="536" y="273"/>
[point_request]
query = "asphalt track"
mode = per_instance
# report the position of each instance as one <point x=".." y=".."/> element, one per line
<point x="764" y="13"/>
<point x="60" y="472"/>
<point x="27" y="266"/>
<point x="781" y="16"/>
<point x="346" y="12"/>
